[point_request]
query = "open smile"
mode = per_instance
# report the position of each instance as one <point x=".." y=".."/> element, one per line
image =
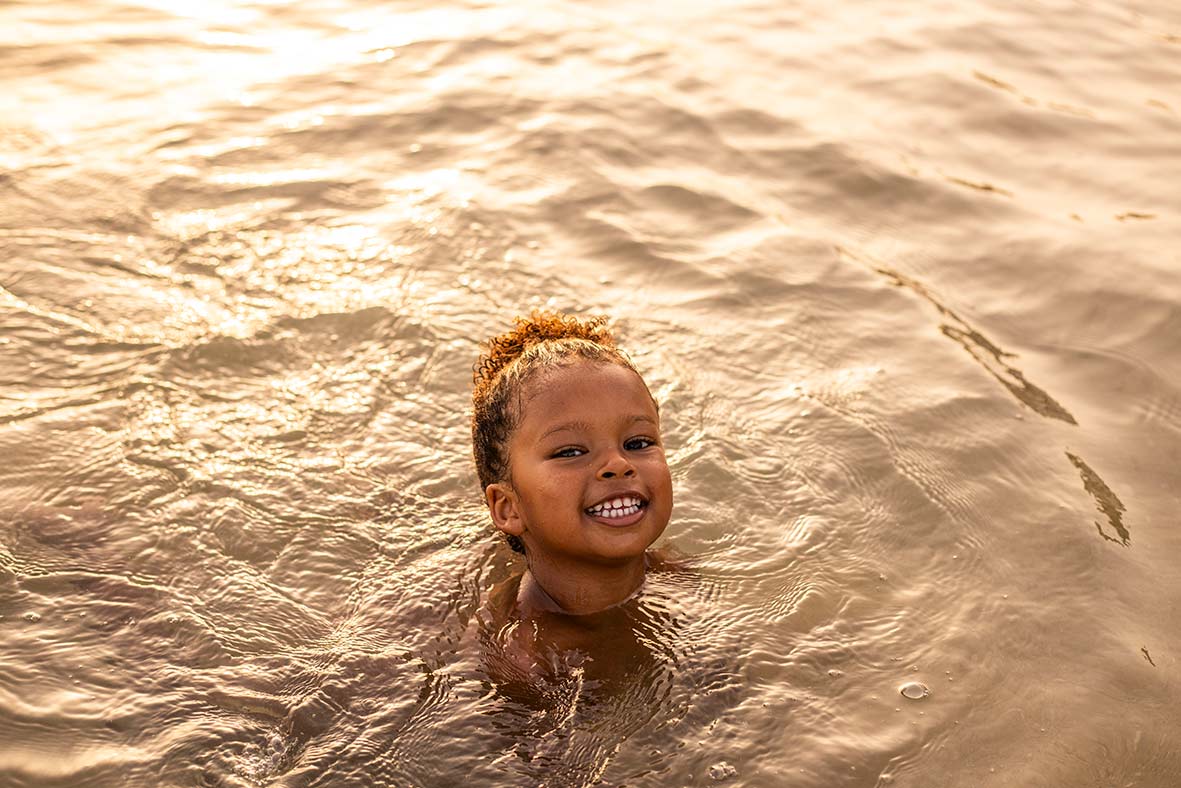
<point x="620" y="510"/>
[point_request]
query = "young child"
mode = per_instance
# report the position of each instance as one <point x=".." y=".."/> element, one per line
<point x="567" y="445"/>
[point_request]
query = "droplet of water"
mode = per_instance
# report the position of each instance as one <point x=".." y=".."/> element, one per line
<point x="913" y="690"/>
<point x="834" y="673"/>
<point x="721" y="771"/>
<point x="32" y="617"/>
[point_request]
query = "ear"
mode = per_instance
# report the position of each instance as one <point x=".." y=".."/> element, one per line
<point x="505" y="510"/>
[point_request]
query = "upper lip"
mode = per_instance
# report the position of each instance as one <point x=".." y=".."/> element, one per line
<point x="643" y="499"/>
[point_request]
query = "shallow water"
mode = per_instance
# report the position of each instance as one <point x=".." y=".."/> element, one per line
<point x="904" y="277"/>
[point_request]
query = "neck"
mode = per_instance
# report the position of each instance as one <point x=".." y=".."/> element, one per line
<point x="579" y="590"/>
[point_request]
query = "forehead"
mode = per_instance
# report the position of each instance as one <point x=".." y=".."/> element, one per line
<point x="587" y="390"/>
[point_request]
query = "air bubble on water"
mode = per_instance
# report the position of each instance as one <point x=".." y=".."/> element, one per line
<point x="834" y="673"/>
<point x="721" y="771"/>
<point x="913" y="690"/>
<point x="32" y="617"/>
<point x="173" y="619"/>
<point x="266" y="759"/>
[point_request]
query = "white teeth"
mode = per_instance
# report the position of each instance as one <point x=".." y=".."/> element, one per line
<point x="617" y="507"/>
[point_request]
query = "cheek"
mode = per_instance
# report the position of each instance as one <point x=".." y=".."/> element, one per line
<point x="546" y="488"/>
<point x="659" y="473"/>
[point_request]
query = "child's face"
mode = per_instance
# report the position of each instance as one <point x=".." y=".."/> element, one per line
<point x="588" y="437"/>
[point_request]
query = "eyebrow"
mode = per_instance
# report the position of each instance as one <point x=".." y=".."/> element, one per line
<point x="574" y="426"/>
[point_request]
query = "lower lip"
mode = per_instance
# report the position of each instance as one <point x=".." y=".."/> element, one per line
<point x="620" y="522"/>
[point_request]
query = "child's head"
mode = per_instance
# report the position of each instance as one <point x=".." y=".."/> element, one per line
<point x="567" y="441"/>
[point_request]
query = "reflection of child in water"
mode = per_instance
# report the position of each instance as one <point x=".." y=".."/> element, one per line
<point x="568" y="449"/>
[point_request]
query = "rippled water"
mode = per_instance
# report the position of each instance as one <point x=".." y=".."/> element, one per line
<point x="904" y="276"/>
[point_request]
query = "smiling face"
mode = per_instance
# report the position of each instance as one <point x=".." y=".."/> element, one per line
<point x="589" y="481"/>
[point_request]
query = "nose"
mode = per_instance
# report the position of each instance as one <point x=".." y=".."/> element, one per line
<point x="616" y="465"/>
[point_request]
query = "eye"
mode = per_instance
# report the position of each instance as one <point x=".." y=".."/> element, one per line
<point x="569" y="451"/>
<point x="635" y="444"/>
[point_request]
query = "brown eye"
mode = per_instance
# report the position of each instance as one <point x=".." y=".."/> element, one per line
<point x="635" y="444"/>
<point x="569" y="451"/>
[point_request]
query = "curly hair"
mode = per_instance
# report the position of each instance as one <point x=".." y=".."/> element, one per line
<point x="541" y="341"/>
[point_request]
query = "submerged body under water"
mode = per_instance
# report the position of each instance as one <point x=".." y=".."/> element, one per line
<point x="903" y="279"/>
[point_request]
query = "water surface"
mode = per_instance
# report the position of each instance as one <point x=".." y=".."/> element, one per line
<point x="903" y="276"/>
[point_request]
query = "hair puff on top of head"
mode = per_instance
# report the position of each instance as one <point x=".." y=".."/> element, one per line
<point x="537" y="327"/>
